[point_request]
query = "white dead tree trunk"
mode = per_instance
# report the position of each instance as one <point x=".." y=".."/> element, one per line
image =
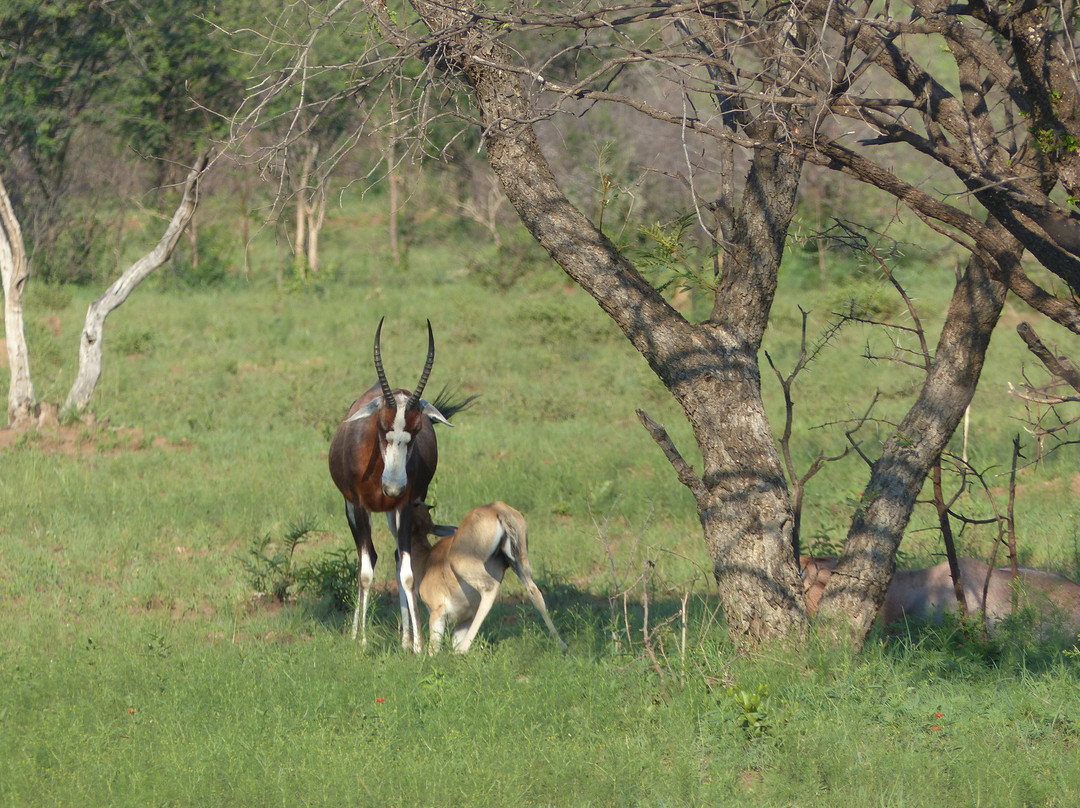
<point x="300" y="249"/>
<point x="90" y="345"/>
<point x="310" y="214"/>
<point x="316" y="208"/>
<point x="22" y="404"/>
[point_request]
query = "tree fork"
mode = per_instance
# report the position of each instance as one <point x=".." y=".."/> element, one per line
<point x="711" y="369"/>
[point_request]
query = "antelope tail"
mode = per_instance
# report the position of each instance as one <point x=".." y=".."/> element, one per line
<point x="450" y="402"/>
<point x="514" y="547"/>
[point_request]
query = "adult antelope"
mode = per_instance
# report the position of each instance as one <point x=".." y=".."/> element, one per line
<point x="928" y="594"/>
<point x="382" y="457"/>
<point x="461" y="574"/>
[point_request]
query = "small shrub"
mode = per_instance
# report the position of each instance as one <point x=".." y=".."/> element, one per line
<point x="41" y="295"/>
<point x="332" y="578"/>
<point x="74" y="253"/>
<point x="270" y="569"/>
<point x="135" y="342"/>
<point x="513" y="261"/>
<point x="756" y="714"/>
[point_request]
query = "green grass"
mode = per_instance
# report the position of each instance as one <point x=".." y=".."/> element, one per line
<point x="139" y="668"/>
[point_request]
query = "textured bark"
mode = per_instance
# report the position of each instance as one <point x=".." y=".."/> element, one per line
<point x="711" y="369"/>
<point x="90" y="344"/>
<point x="1013" y="55"/>
<point x="857" y="588"/>
<point x="1012" y="60"/>
<point x="22" y="404"/>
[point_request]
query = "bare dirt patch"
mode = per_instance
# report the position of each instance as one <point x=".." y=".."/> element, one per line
<point x="88" y="436"/>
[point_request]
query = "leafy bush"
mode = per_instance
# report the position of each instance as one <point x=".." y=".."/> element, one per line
<point x="73" y="253"/>
<point x="273" y="570"/>
<point x="331" y="578"/>
<point x="270" y="568"/>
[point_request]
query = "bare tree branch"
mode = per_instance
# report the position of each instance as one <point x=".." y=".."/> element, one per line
<point x="90" y="343"/>
<point x="683" y="470"/>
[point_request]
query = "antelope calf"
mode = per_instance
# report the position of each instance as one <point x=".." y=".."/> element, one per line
<point x="461" y="574"/>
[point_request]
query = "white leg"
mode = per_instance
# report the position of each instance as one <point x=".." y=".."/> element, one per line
<point x="438" y="628"/>
<point x="410" y="627"/>
<point x="360" y="592"/>
<point x="458" y="641"/>
<point x="366" y="576"/>
<point x="487" y="600"/>
<point x="407" y="598"/>
<point x="360" y="525"/>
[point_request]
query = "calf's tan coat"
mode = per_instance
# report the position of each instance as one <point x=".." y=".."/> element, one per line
<point x="461" y="574"/>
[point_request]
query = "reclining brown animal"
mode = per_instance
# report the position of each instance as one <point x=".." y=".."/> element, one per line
<point x="927" y="594"/>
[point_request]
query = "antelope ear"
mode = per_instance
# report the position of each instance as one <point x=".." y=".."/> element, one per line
<point x="443" y="530"/>
<point x="366" y="411"/>
<point x="431" y="412"/>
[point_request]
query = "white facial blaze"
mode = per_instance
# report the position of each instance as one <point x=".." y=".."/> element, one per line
<point x="394" y="478"/>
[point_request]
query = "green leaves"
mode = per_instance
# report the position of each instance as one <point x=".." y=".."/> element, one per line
<point x="756" y="709"/>
<point x="673" y="259"/>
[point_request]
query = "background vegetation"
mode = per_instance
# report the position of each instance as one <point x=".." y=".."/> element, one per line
<point x="171" y="565"/>
<point x="143" y="667"/>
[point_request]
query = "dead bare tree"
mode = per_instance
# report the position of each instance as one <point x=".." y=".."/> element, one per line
<point x="91" y="348"/>
<point x="22" y="403"/>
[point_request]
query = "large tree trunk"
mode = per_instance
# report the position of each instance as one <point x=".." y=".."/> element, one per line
<point x="711" y="369"/>
<point x="90" y="344"/>
<point x="22" y="404"/>
<point x="857" y="589"/>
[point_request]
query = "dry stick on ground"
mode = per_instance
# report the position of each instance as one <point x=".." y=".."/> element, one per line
<point x="90" y="344"/>
<point x="620" y="589"/>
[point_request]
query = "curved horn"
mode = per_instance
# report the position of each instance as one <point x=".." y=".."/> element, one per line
<point x="414" y="399"/>
<point x="387" y="393"/>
